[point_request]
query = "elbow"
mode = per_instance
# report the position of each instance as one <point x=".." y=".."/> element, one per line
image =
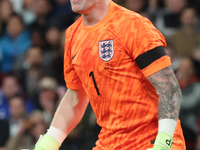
<point x="77" y="98"/>
<point x="72" y="102"/>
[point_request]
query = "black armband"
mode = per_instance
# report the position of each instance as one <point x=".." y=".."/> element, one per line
<point x="150" y="56"/>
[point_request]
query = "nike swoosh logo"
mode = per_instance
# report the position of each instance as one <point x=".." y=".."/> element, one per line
<point x="74" y="56"/>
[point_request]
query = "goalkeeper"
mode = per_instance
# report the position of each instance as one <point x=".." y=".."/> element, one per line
<point x="115" y="58"/>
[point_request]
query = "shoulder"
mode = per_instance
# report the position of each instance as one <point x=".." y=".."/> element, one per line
<point x="129" y="19"/>
<point x="128" y="15"/>
<point x="122" y="12"/>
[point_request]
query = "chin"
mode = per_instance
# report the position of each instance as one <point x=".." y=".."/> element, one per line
<point x="76" y="9"/>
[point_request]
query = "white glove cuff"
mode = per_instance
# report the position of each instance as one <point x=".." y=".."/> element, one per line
<point x="57" y="134"/>
<point x="167" y="125"/>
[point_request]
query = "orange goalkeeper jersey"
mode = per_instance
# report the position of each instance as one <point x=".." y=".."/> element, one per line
<point x="102" y="60"/>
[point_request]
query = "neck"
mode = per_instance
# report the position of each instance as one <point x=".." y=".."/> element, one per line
<point x="96" y="13"/>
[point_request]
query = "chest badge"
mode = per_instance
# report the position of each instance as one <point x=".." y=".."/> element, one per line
<point x="106" y="50"/>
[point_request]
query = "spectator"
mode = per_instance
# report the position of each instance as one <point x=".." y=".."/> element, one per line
<point x="168" y="20"/>
<point x="29" y="132"/>
<point x="190" y="87"/>
<point x="39" y="127"/>
<point x="53" y="38"/>
<point x="6" y="11"/>
<point x="31" y="69"/>
<point x="42" y="9"/>
<point x="14" y="43"/>
<point x="17" y="122"/>
<point x="48" y="97"/>
<point x="186" y="39"/>
<point x="31" y="57"/>
<point x="17" y="114"/>
<point x="11" y="87"/>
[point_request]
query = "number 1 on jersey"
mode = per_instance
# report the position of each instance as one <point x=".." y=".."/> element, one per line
<point x="94" y="81"/>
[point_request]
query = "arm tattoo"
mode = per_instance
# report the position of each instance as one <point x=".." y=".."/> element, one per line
<point x="168" y="90"/>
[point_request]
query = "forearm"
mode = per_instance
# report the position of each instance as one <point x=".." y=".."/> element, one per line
<point x="169" y="93"/>
<point x="167" y="88"/>
<point x="70" y="111"/>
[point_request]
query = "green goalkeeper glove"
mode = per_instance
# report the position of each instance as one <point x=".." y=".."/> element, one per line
<point x="163" y="141"/>
<point x="46" y="143"/>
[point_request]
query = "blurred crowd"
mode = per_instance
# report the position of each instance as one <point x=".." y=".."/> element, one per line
<point x="32" y="35"/>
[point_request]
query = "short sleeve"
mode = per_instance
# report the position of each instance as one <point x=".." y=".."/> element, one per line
<point x="143" y="37"/>
<point x="71" y="78"/>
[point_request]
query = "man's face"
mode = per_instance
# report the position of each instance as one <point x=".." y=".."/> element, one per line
<point x="83" y="6"/>
<point x="175" y="6"/>
<point x="15" y="27"/>
<point x="189" y="17"/>
<point x="17" y="108"/>
<point x="10" y="86"/>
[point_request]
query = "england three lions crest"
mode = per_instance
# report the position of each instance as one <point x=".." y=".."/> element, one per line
<point x="106" y="50"/>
